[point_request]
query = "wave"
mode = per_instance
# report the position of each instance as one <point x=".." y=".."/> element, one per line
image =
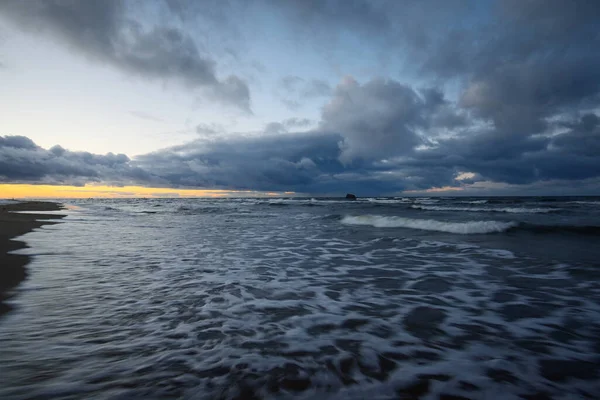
<point x="475" y="202"/>
<point x="464" y="228"/>
<point x="426" y="200"/>
<point x="513" y="210"/>
<point x="588" y="202"/>
<point x="387" y="201"/>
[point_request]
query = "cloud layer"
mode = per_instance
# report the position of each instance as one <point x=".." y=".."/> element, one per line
<point x="508" y="93"/>
<point x="107" y="32"/>
<point x="21" y="160"/>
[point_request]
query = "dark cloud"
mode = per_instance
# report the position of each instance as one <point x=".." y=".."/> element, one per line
<point x="271" y="162"/>
<point x="376" y="120"/>
<point x="523" y="159"/>
<point x="21" y="160"/>
<point x="314" y="161"/>
<point x="525" y="66"/>
<point x="509" y="93"/>
<point x="17" y="142"/>
<point x="410" y="28"/>
<point x="105" y="31"/>
<point x="383" y="118"/>
<point x="530" y="61"/>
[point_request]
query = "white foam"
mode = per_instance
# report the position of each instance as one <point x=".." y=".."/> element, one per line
<point x="513" y="210"/>
<point x="585" y="202"/>
<point x="464" y="228"/>
<point x="475" y="202"/>
<point x="292" y="201"/>
<point x="426" y="200"/>
<point x="233" y="304"/>
<point x="386" y="201"/>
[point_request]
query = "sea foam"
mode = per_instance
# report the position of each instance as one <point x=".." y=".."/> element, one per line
<point x="464" y="228"/>
<point x="512" y="210"/>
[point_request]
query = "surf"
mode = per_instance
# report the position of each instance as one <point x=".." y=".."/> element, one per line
<point x="463" y="228"/>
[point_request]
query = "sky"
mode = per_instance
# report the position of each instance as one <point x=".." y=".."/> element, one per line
<point x="315" y="97"/>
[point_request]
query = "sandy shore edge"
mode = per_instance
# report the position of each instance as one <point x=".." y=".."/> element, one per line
<point x="12" y="266"/>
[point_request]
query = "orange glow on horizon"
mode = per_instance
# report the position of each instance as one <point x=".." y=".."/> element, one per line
<point x="27" y="191"/>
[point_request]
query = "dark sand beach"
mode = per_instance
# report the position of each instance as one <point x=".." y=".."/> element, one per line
<point x="14" y="224"/>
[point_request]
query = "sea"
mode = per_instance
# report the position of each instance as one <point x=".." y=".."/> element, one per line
<point x="310" y="298"/>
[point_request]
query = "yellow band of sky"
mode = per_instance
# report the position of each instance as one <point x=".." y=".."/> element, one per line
<point x="23" y="191"/>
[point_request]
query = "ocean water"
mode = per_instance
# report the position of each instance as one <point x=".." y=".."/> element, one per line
<point x="378" y="298"/>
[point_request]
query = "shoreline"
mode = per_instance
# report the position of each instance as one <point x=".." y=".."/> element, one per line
<point x="13" y="224"/>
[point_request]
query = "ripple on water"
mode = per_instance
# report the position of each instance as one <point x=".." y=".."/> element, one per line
<point x="259" y="309"/>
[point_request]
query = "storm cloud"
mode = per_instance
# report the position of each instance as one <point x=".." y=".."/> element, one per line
<point x="107" y="32"/>
<point x="382" y="118"/>
<point x="501" y="92"/>
<point x="22" y="161"/>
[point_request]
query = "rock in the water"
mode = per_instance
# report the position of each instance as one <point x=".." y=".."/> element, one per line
<point x="350" y="196"/>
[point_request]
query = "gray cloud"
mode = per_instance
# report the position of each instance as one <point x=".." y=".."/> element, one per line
<point x="209" y="129"/>
<point x="376" y="120"/>
<point x="272" y="162"/>
<point x="297" y="122"/>
<point x="105" y="31"/>
<point x="274" y="128"/>
<point x="21" y="160"/>
<point x="382" y="118"/>
<point x="311" y="162"/>
<point x="570" y="155"/>
<point x="523" y="110"/>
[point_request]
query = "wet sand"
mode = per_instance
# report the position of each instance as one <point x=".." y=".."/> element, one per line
<point x="12" y="224"/>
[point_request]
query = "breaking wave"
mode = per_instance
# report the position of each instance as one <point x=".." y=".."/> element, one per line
<point x="387" y="201"/>
<point x="582" y="202"/>
<point x="464" y="228"/>
<point x="513" y="210"/>
<point x="468" y="227"/>
<point x="475" y="202"/>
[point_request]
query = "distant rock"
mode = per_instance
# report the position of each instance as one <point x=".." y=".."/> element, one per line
<point x="350" y="196"/>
